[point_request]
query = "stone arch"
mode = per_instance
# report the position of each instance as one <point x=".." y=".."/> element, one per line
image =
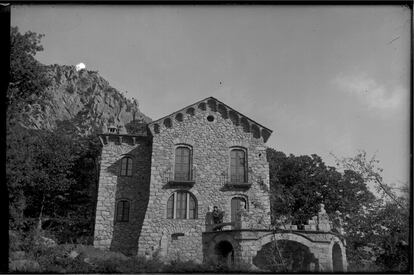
<point x="183" y="140"/>
<point x="224" y="252"/>
<point x="286" y="236"/>
<point x="298" y="244"/>
<point x="238" y="143"/>
<point x="245" y="197"/>
<point x="337" y="255"/>
<point x="211" y="250"/>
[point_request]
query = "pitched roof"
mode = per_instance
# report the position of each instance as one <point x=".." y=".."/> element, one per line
<point x="248" y="124"/>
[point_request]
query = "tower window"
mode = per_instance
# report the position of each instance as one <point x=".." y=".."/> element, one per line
<point x="126" y="166"/>
<point x="122" y="211"/>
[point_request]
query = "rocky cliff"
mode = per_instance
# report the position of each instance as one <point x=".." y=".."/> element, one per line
<point x="82" y="100"/>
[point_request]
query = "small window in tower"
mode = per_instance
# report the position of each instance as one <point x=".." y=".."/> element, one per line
<point x="122" y="211"/>
<point x="126" y="166"/>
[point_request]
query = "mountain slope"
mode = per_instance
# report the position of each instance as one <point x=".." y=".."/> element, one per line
<point x="82" y="99"/>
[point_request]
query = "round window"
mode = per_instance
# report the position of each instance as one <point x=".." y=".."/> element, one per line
<point x="210" y="118"/>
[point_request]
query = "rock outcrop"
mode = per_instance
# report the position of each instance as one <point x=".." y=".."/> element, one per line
<point x="83" y="100"/>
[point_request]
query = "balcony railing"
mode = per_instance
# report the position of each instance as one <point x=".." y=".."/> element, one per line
<point x="172" y="180"/>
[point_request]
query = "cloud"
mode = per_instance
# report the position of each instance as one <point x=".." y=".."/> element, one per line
<point x="371" y="93"/>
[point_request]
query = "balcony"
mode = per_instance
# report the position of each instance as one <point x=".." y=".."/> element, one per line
<point x="172" y="181"/>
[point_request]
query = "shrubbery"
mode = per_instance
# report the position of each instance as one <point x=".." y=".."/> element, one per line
<point x="76" y="258"/>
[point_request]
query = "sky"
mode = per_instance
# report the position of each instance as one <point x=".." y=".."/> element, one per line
<point x="326" y="79"/>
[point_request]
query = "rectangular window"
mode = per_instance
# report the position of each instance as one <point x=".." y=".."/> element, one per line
<point x="122" y="211"/>
<point x="126" y="166"/>
<point x="182" y="164"/>
<point x="237" y="166"/>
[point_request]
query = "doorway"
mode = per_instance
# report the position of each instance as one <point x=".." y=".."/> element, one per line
<point x="225" y="254"/>
<point x="237" y="203"/>
<point x="337" y="258"/>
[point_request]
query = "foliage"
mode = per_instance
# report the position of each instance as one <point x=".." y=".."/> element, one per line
<point x="28" y="77"/>
<point x="51" y="175"/>
<point x="367" y="168"/>
<point x="376" y="229"/>
<point x="378" y="233"/>
<point x="299" y="184"/>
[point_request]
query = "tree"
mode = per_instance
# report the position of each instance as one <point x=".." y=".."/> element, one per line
<point x="376" y="229"/>
<point x="379" y="233"/>
<point x="28" y="77"/>
<point x="300" y="183"/>
<point x="38" y="173"/>
<point x="51" y="175"/>
<point x="367" y="168"/>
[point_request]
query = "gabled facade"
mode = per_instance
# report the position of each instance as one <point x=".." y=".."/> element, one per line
<point x="157" y="189"/>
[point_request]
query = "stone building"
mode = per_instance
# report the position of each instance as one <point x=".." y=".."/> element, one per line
<point x="157" y="189"/>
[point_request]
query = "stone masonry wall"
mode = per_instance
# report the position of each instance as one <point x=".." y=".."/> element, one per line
<point x="211" y="143"/>
<point x="110" y="234"/>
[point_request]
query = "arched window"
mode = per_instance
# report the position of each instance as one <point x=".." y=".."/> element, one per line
<point x="238" y="166"/>
<point x="126" y="166"/>
<point x="122" y="211"/>
<point x="182" y="167"/>
<point x="182" y="205"/>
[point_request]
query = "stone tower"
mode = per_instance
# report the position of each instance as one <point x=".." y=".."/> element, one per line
<point x="123" y="190"/>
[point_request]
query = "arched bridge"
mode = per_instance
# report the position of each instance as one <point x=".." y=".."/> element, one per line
<point x="302" y="251"/>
